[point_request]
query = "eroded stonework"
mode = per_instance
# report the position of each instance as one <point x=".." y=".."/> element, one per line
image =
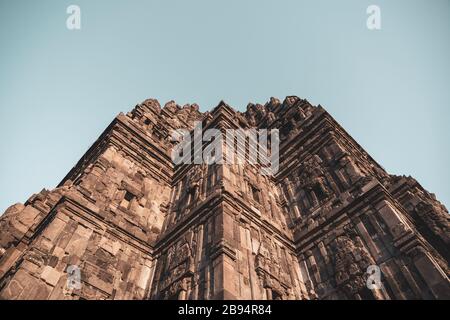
<point x="138" y="227"/>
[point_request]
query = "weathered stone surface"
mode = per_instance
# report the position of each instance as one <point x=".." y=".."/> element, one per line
<point x="138" y="227"/>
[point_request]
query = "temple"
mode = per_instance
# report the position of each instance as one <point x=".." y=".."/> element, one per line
<point x="137" y="226"/>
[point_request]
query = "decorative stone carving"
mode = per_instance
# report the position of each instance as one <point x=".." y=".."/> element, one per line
<point x="350" y="261"/>
<point x="139" y="227"/>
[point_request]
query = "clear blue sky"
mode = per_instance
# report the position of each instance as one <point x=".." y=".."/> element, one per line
<point x="59" y="89"/>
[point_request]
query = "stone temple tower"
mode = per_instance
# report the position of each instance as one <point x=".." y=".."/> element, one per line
<point x="127" y="223"/>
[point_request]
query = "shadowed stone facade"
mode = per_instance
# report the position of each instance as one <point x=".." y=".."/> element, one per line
<point x="138" y="227"/>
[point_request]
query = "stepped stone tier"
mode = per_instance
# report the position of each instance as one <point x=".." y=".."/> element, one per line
<point x="139" y="227"/>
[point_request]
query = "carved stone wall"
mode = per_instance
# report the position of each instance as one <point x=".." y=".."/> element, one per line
<point x="137" y="226"/>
